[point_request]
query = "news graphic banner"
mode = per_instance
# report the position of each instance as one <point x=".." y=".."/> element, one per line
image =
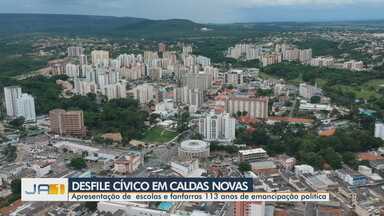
<point x="155" y="189"/>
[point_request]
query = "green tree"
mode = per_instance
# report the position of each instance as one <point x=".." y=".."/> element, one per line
<point x="16" y="186"/>
<point x="17" y="122"/>
<point x="349" y="158"/>
<point x="78" y="163"/>
<point x="332" y="158"/>
<point x="182" y="121"/>
<point x="10" y="152"/>
<point x="315" y="99"/>
<point x="245" y="167"/>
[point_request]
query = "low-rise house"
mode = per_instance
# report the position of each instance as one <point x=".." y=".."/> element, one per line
<point x="128" y="164"/>
<point x="351" y="177"/>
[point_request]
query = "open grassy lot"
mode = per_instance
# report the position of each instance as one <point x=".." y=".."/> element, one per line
<point x="158" y="135"/>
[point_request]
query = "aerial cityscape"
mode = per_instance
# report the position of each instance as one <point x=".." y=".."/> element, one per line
<point x="294" y="106"/>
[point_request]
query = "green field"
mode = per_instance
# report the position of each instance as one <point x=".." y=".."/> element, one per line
<point x="365" y="91"/>
<point x="158" y="135"/>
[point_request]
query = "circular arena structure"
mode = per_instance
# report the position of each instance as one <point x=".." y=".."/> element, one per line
<point x="190" y="149"/>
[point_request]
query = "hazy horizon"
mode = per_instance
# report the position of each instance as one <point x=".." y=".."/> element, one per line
<point x="213" y="11"/>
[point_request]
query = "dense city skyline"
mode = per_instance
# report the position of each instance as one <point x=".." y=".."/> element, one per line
<point x="214" y="11"/>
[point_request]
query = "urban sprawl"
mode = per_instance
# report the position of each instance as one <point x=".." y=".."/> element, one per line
<point x="165" y="111"/>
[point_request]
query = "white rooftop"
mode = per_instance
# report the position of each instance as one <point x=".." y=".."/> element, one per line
<point x="252" y="151"/>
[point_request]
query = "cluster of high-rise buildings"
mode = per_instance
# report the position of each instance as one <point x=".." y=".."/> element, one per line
<point x="268" y="56"/>
<point x="109" y="77"/>
<point x="19" y="104"/>
<point x="286" y="52"/>
<point x="245" y="51"/>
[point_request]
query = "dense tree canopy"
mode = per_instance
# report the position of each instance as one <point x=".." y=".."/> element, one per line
<point x="307" y="146"/>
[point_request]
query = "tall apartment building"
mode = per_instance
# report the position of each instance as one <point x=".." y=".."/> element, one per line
<point x="83" y="60"/>
<point x="269" y="59"/>
<point x="145" y="93"/>
<point x="72" y="70"/>
<point x="150" y="58"/>
<point x="180" y="95"/>
<point x="308" y="91"/>
<point x="379" y="130"/>
<point x="162" y="47"/>
<point x="100" y="57"/>
<point x="248" y="208"/>
<point x="75" y="51"/>
<point x="187" y="49"/>
<point x="322" y="62"/>
<point x="305" y="56"/>
<point x="203" y="61"/>
<point x="354" y="65"/>
<point x="156" y="73"/>
<point x="201" y="81"/>
<point x="187" y="96"/>
<point x="113" y="91"/>
<point x="11" y="93"/>
<point x="233" y="78"/>
<point x="247" y="51"/>
<point x="291" y="55"/>
<point x="189" y="61"/>
<point x="26" y="107"/>
<point x="135" y="72"/>
<point x="84" y="87"/>
<point x="213" y="72"/>
<point x="70" y="123"/>
<point x="218" y="127"/>
<point x="255" y="107"/>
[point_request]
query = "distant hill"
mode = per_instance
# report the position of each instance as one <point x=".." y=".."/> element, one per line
<point x="85" y="25"/>
<point x="91" y="25"/>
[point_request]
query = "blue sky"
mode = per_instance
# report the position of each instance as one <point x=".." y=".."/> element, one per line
<point x="216" y="11"/>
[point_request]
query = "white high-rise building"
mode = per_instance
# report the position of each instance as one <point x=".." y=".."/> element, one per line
<point x="135" y="72"/>
<point x="379" y="130"/>
<point x="201" y="81"/>
<point x="218" y="127"/>
<point x="144" y="93"/>
<point x="187" y="50"/>
<point x="354" y="65"/>
<point x="84" y="87"/>
<point x="308" y="91"/>
<point x="72" y="70"/>
<point x="291" y="54"/>
<point x="247" y="51"/>
<point x="26" y="107"/>
<point x="272" y="58"/>
<point x="113" y="91"/>
<point x="305" y="56"/>
<point x="203" y="61"/>
<point x="11" y="93"/>
<point x="100" y="57"/>
<point x="187" y="96"/>
<point x="83" y="59"/>
<point x="151" y="58"/>
<point x="75" y="51"/>
<point x="322" y="62"/>
<point x="234" y="77"/>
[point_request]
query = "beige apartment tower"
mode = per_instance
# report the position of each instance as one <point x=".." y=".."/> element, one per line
<point x="69" y="123"/>
<point x="255" y="107"/>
